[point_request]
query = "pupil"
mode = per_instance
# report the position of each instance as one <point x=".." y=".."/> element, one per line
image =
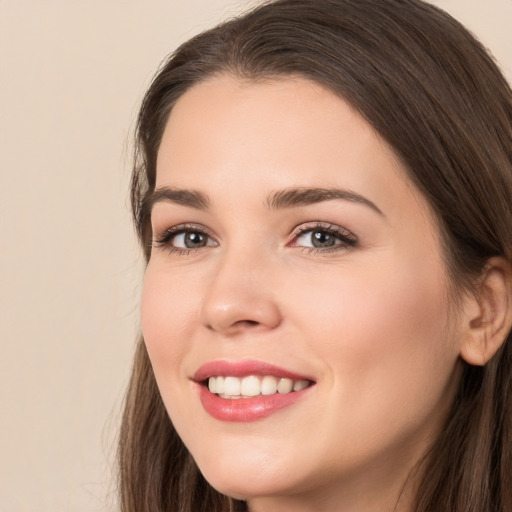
<point x="193" y="240"/>
<point x="322" y="239"/>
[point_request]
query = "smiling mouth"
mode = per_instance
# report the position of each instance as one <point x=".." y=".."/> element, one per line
<point x="230" y="387"/>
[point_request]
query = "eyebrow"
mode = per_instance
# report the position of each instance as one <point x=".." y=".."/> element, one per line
<point x="281" y="199"/>
<point x="292" y="197"/>
<point x="190" y="198"/>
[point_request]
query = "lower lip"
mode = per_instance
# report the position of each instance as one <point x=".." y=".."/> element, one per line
<point x="247" y="409"/>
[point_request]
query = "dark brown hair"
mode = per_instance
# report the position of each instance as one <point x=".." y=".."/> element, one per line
<point x="434" y="94"/>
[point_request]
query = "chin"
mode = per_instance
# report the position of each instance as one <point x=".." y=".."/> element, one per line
<point x="248" y="477"/>
<point x="249" y="486"/>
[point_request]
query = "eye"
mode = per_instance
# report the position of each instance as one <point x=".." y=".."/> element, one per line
<point x="184" y="238"/>
<point x="323" y="237"/>
<point x="190" y="240"/>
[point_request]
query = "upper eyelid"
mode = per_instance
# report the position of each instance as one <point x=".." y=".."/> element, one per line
<point x="322" y="226"/>
<point x="327" y="226"/>
<point x="346" y="237"/>
<point x="160" y="236"/>
<point x="185" y="226"/>
<point x="303" y="226"/>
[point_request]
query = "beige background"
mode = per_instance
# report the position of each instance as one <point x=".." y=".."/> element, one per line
<point x="72" y="74"/>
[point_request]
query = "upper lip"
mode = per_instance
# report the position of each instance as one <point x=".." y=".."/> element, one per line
<point x="244" y="368"/>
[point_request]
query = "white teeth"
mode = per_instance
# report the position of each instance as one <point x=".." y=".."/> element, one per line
<point x="300" y="384"/>
<point x="219" y="385"/>
<point x="285" y="386"/>
<point x="233" y="387"/>
<point x="250" y="386"/>
<point x="268" y="385"/>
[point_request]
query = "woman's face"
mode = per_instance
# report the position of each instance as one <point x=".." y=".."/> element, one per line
<point x="290" y="251"/>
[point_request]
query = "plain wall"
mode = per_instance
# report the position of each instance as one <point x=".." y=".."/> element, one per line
<point x="72" y="75"/>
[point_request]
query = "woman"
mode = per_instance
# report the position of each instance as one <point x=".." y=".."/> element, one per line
<point x="323" y="193"/>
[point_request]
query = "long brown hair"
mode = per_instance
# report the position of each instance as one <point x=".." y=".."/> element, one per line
<point x="435" y="95"/>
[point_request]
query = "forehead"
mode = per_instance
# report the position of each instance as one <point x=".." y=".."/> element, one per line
<point x="238" y="135"/>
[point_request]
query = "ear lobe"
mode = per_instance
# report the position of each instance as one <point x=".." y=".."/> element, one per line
<point x="488" y="314"/>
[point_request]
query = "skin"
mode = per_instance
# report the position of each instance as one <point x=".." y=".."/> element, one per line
<point x="368" y="322"/>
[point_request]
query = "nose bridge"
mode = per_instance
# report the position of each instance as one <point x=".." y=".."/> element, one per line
<point x="240" y="295"/>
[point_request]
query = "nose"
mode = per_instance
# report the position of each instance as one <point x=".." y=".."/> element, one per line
<point x="241" y="298"/>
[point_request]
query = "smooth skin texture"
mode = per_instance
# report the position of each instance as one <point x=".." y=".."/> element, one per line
<point x="370" y="321"/>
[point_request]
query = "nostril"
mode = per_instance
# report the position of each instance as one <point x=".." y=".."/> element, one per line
<point x="247" y="323"/>
<point x="237" y="326"/>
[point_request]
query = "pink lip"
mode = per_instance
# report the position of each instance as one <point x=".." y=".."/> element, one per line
<point x="245" y="409"/>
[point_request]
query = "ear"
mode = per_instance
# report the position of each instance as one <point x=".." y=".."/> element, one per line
<point x="487" y="313"/>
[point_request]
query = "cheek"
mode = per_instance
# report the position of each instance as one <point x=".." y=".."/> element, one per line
<point x="407" y="326"/>
<point x="384" y="335"/>
<point x="167" y="315"/>
<point x="388" y="359"/>
<point x="379" y="308"/>
<point x="403" y="331"/>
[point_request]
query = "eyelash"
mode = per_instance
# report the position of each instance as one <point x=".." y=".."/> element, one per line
<point x="164" y="239"/>
<point x="346" y="238"/>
